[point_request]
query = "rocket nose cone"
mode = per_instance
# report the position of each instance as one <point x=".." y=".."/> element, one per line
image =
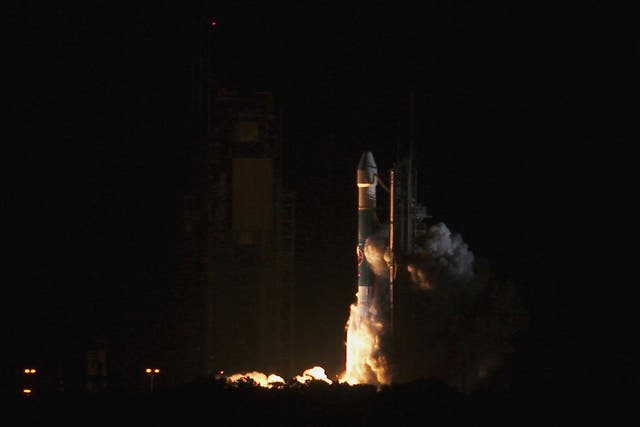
<point x="366" y="161"/>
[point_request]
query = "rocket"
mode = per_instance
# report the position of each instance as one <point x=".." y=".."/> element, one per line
<point x="366" y="180"/>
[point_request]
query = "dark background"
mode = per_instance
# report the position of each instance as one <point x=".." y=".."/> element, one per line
<point x="523" y="116"/>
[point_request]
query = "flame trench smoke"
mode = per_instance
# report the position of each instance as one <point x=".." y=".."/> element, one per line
<point x="464" y="317"/>
<point x="461" y="318"/>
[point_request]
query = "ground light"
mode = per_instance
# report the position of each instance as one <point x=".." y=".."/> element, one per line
<point x="151" y="373"/>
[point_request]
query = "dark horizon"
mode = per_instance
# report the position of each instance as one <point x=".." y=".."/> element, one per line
<point x="517" y="118"/>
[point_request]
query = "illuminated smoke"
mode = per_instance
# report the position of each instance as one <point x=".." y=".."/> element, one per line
<point x="315" y="373"/>
<point x="273" y="380"/>
<point x="460" y="317"/>
<point x="257" y="377"/>
<point x="376" y="253"/>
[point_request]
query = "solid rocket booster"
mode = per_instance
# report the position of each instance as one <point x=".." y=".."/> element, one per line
<point x="366" y="180"/>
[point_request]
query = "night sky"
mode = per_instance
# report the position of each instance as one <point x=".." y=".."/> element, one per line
<point x="522" y="118"/>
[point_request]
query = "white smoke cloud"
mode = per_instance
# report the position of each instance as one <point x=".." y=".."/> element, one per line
<point x="466" y="316"/>
<point x="441" y="256"/>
